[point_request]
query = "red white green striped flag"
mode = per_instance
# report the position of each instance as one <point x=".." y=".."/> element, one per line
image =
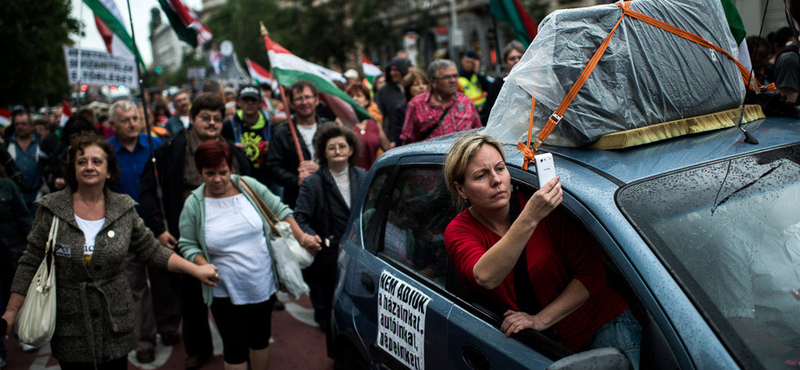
<point x="5" y="117"/>
<point x="515" y="14"/>
<point x="110" y="16"/>
<point x="370" y="70"/>
<point x="288" y="68"/>
<point x="738" y="31"/>
<point x="66" y="113"/>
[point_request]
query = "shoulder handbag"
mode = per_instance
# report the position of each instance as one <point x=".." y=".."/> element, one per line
<point x="36" y="320"/>
<point x="281" y="241"/>
<point x="436" y="124"/>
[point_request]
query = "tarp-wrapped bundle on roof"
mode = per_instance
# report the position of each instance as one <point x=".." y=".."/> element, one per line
<point x="646" y="76"/>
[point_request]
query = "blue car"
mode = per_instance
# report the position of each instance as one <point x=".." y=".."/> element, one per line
<point x="700" y="235"/>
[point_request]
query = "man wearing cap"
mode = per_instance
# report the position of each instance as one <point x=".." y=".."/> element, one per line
<point x="352" y="77"/>
<point x="391" y="95"/>
<point x="471" y="81"/>
<point x="251" y="130"/>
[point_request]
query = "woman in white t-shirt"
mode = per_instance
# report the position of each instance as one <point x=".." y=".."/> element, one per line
<point x="95" y="323"/>
<point x="219" y="224"/>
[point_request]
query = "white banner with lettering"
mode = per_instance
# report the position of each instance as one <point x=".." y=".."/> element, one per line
<point x="401" y="321"/>
<point x="100" y="68"/>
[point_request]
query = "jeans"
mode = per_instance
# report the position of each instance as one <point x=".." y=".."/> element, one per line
<point x="622" y="332"/>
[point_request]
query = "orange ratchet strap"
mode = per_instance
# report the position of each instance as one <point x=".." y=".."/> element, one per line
<point x="556" y="117"/>
<point x="525" y="149"/>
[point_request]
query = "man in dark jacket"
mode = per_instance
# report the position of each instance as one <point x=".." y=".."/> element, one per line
<point x="251" y="130"/>
<point x="180" y="121"/>
<point x="178" y="176"/>
<point x="391" y="95"/>
<point x="283" y="163"/>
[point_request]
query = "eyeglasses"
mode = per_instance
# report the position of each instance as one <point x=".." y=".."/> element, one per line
<point x="334" y="147"/>
<point x="207" y="118"/>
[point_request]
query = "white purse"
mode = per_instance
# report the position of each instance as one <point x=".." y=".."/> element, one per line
<point x="290" y="257"/>
<point x="36" y="320"/>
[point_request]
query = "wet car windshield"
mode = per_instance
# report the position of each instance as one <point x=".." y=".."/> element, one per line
<point x="730" y="233"/>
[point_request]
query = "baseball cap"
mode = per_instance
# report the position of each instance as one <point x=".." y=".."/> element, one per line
<point x="351" y="73"/>
<point x="249" y="91"/>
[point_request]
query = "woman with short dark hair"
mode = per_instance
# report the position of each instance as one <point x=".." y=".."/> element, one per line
<point x="323" y="209"/>
<point x="221" y="224"/>
<point x="369" y="132"/>
<point x="96" y="229"/>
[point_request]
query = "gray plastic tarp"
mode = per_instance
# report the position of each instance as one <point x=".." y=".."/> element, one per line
<point x="646" y="76"/>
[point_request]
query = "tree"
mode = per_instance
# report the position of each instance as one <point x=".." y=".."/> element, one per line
<point x="238" y="21"/>
<point x="32" y="34"/>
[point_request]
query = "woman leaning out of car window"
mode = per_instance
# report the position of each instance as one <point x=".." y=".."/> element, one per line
<point x="323" y="208"/>
<point x="220" y="225"/>
<point x="567" y="278"/>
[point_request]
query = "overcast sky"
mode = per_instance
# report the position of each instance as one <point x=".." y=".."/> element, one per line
<point x="141" y="22"/>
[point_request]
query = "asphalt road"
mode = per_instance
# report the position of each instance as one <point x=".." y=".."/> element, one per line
<point x="297" y="344"/>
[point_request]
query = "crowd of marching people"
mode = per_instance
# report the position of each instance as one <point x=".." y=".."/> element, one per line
<point x="155" y="228"/>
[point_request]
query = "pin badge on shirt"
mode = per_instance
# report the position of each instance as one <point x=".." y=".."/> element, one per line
<point x="111" y="233"/>
<point x="460" y="108"/>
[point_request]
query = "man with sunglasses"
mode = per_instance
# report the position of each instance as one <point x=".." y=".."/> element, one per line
<point x="251" y="130"/>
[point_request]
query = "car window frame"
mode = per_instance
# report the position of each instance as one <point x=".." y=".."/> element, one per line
<point x="533" y="340"/>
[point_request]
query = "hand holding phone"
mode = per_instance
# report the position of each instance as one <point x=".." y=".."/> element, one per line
<point x="545" y="168"/>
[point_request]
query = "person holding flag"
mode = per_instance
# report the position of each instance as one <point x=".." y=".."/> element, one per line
<point x="283" y="162"/>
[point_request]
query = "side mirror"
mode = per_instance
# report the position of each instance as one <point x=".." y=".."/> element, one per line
<point x="597" y="359"/>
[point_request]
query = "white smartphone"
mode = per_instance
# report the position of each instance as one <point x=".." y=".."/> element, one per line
<point x="545" y="168"/>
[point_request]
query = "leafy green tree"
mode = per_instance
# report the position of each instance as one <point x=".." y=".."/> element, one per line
<point x="238" y="21"/>
<point x="32" y="34"/>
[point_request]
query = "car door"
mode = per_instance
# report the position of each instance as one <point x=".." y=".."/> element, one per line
<point x="403" y="314"/>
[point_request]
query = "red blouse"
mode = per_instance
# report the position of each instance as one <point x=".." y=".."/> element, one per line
<point x="371" y="142"/>
<point x="556" y="254"/>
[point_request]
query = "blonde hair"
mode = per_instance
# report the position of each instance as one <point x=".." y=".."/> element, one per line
<point x="458" y="158"/>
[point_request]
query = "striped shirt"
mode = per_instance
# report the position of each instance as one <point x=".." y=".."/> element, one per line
<point x="421" y="114"/>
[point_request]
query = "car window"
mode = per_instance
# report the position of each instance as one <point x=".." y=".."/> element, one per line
<point x="419" y="211"/>
<point x="371" y="201"/>
<point x="730" y="232"/>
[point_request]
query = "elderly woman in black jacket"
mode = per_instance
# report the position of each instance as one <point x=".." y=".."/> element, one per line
<point x="323" y="208"/>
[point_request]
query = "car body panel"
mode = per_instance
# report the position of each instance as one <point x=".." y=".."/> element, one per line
<point x="591" y="180"/>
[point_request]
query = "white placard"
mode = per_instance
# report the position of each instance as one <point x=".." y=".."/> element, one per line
<point x="401" y="321"/>
<point x="100" y="68"/>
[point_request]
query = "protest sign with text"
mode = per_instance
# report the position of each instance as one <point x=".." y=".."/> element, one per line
<point x="100" y="68"/>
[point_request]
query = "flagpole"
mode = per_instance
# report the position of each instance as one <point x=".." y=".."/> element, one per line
<point x="136" y="57"/>
<point x="80" y="39"/>
<point x="265" y="33"/>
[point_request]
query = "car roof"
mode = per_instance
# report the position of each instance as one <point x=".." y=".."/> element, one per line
<point x="644" y="161"/>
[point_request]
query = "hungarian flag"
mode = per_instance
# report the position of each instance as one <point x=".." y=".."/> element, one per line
<point x="370" y="70"/>
<point x="110" y="17"/>
<point x="5" y="117"/>
<point x="515" y="14"/>
<point x="185" y="22"/>
<point x="737" y="31"/>
<point x="260" y="75"/>
<point x="289" y="68"/>
<point x="66" y="112"/>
